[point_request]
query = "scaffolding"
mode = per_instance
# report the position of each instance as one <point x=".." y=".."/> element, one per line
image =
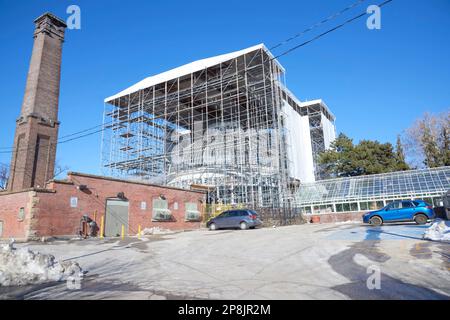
<point x="216" y="123"/>
<point x="316" y="111"/>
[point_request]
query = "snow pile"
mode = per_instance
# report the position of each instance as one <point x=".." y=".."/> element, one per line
<point x="22" y="266"/>
<point x="438" y="231"/>
<point x="155" y="230"/>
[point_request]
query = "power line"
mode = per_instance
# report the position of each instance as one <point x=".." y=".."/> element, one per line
<point x="328" y="31"/>
<point x="85" y="134"/>
<point x="318" y="24"/>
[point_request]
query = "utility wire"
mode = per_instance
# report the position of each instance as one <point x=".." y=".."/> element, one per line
<point x="328" y="31"/>
<point x="318" y="24"/>
<point x="11" y="149"/>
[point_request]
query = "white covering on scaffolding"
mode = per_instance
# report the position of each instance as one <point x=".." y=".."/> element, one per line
<point x="184" y="70"/>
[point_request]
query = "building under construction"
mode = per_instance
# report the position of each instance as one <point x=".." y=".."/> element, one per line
<point x="227" y="124"/>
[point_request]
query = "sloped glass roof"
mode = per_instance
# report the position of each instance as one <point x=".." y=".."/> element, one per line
<point x="411" y="184"/>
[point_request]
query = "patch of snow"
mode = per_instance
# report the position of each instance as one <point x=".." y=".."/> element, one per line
<point x="155" y="230"/>
<point x="438" y="231"/>
<point x="23" y="266"/>
<point x="348" y="222"/>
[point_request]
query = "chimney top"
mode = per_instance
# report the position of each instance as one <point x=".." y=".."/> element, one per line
<point x="54" y="19"/>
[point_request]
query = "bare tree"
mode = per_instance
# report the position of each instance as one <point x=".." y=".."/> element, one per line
<point x="4" y="171"/>
<point x="59" y="169"/>
<point x="426" y="141"/>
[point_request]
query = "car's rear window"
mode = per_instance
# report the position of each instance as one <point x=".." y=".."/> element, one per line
<point x="422" y="203"/>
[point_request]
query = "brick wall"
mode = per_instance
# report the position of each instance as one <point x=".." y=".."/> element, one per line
<point x="49" y="212"/>
<point x="337" y="217"/>
<point x="10" y="204"/>
<point x="57" y="217"/>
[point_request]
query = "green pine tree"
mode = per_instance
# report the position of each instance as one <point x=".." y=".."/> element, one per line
<point x="400" y="155"/>
<point x="430" y="148"/>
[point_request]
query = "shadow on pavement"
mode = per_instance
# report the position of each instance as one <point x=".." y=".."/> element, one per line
<point x="391" y="288"/>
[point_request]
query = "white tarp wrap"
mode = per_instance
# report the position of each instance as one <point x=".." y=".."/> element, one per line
<point x="329" y="131"/>
<point x="184" y="70"/>
<point x="22" y="266"/>
<point x="299" y="145"/>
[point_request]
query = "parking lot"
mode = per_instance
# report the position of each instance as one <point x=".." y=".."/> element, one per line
<point x="312" y="261"/>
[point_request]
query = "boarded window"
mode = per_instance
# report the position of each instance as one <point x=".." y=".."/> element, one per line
<point x="21" y="214"/>
<point x="192" y="213"/>
<point x="161" y="210"/>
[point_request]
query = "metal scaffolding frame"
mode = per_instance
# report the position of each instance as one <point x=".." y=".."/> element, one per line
<point x="221" y="127"/>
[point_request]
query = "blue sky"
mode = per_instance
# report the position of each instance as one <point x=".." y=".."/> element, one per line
<point x="376" y="82"/>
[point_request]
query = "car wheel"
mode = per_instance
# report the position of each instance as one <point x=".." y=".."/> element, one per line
<point x="376" y="221"/>
<point x="243" y="225"/>
<point x="212" y="226"/>
<point x="421" y="219"/>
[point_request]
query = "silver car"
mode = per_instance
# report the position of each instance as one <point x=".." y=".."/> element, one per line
<point x="237" y="218"/>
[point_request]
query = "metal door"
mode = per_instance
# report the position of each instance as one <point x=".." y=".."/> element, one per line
<point x="116" y="216"/>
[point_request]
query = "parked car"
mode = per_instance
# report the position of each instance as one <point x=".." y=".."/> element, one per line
<point x="239" y="218"/>
<point x="401" y="211"/>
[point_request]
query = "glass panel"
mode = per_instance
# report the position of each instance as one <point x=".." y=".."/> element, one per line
<point x="364" y="205"/>
<point x="379" y="204"/>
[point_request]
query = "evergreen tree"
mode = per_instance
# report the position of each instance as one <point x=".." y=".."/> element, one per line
<point x="345" y="159"/>
<point x="400" y="155"/>
<point x="430" y="148"/>
<point x="445" y="151"/>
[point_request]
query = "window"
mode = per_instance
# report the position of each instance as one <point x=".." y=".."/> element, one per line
<point x="225" y="214"/>
<point x="21" y="214"/>
<point x="143" y="205"/>
<point x="407" y="204"/>
<point x="364" y="205"/>
<point x="379" y="204"/>
<point x="161" y="211"/>
<point x="192" y="213"/>
<point x="394" y="205"/>
<point x="237" y="213"/>
<point x="73" y="202"/>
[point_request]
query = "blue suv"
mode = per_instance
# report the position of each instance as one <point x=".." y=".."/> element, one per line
<point x="239" y="218"/>
<point x="401" y="211"/>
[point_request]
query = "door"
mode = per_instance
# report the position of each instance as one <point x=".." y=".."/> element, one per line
<point x="237" y="217"/>
<point x="391" y="213"/>
<point x="223" y="221"/>
<point x="116" y="216"/>
<point x="407" y="211"/>
<point x="1" y="228"/>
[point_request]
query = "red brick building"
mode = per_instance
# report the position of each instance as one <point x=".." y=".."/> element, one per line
<point x="37" y="206"/>
<point x="58" y="209"/>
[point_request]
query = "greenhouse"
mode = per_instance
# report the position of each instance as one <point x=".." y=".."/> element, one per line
<point x="374" y="191"/>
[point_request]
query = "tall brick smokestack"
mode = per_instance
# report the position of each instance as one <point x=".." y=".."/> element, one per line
<point x="33" y="159"/>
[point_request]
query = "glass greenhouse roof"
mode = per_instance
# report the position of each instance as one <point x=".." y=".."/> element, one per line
<point x="410" y="184"/>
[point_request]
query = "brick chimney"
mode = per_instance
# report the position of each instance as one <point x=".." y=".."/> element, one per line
<point x="33" y="158"/>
